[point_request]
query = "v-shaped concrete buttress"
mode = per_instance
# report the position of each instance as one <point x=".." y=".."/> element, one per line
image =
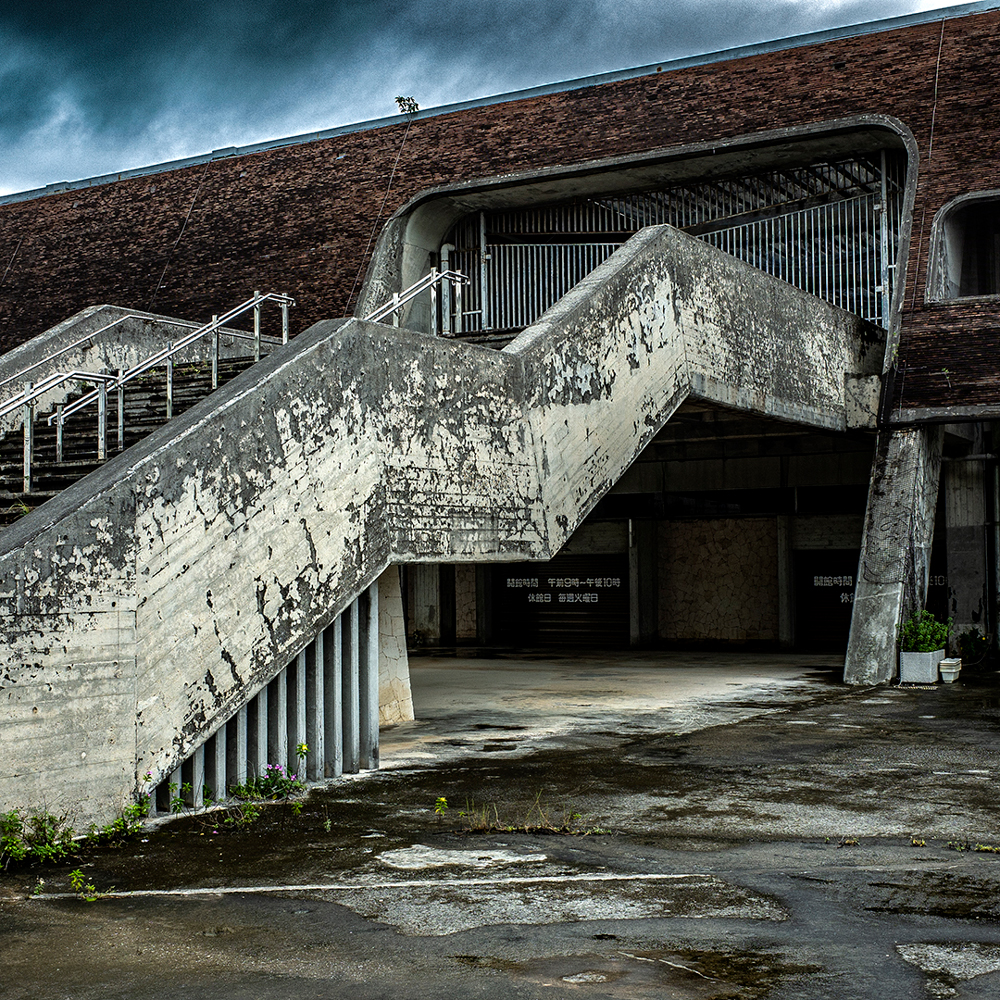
<point x="149" y="601"/>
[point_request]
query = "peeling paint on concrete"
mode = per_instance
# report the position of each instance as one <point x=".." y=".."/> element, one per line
<point x="205" y="558"/>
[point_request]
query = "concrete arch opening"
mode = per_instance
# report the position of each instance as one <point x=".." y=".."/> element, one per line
<point x="827" y="208"/>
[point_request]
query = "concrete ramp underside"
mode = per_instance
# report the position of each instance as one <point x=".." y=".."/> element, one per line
<point x="147" y="603"/>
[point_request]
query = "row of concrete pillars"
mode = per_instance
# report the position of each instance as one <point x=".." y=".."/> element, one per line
<point x="318" y="718"/>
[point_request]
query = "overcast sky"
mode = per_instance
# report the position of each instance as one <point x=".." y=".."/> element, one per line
<point x="89" y="88"/>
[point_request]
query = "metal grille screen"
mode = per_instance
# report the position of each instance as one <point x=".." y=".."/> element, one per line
<point x="830" y="229"/>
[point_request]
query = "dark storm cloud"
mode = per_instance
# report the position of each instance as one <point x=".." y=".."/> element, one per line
<point x="88" y="88"/>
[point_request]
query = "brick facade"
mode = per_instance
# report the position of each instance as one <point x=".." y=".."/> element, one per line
<point x="299" y="218"/>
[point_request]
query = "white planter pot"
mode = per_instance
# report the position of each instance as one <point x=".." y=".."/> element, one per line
<point x="919" y="668"/>
<point x="950" y="669"/>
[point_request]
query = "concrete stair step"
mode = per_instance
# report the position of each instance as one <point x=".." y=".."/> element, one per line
<point x="145" y="410"/>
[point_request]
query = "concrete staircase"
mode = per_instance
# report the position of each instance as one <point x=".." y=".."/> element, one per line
<point x="145" y="410"/>
<point x="149" y="605"/>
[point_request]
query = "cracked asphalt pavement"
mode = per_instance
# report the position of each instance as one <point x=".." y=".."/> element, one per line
<point x="741" y="827"/>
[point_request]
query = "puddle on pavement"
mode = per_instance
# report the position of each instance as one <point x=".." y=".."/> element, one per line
<point x="450" y="906"/>
<point x="717" y="784"/>
<point x="420" y="857"/>
<point x="956" y="896"/>
<point x="683" y="973"/>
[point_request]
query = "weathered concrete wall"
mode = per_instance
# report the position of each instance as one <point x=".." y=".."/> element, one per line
<point x="664" y="318"/>
<point x="895" y="550"/>
<point x="182" y="575"/>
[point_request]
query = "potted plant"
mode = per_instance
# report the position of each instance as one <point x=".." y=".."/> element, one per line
<point x="922" y="643"/>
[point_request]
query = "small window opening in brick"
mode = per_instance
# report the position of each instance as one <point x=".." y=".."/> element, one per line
<point x="972" y="250"/>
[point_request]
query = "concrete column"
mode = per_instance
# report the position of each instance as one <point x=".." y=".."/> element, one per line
<point x="352" y="732"/>
<point x="296" y="710"/>
<point x="966" y="529"/>
<point x="426" y="603"/>
<point x="258" y="734"/>
<point x="198" y="777"/>
<point x="176" y="779"/>
<point x="368" y="646"/>
<point x="643" y="574"/>
<point x="315" y="706"/>
<point x="215" y="764"/>
<point x="786" y="584"/>
<point x="277" y="719"/>
<point x="395" y="703"/>
<point x="895" y="549"/>
<point x="212" y="773"/>
<point x="237" y="749"/>
<point x="333" y="699"/>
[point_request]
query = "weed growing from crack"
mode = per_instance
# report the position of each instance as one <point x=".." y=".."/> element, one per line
<point x="966" y="845"/>
<point x="243" y="815"/>
<point x="19" y="508"/>
<point x="273" y="783"/>
<point x="539" y="818"/>
<point x="123" y="827"/>
<point x="44" y="838"/>
<point x="84" y="889"/>
<point x="35" y="837"/>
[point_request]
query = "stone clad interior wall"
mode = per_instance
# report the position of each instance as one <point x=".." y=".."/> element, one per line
<point x="465" y="603"/>
<point x="718" y="580"/>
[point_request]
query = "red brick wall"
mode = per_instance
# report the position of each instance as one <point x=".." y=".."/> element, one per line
<point x="298" y="219"/>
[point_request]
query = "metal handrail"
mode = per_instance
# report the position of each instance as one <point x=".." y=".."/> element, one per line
<point x="53" y="381"/>
<point x="167" y="353"/>
<point x="90" y="336"/>
<point x="428" y="281"/>
<point x="105" y="381"/>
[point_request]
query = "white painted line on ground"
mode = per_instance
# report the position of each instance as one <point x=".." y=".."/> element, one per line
<point x="230" y="890"/>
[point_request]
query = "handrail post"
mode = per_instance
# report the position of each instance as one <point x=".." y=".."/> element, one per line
<point x="215" y="354"/>
<point x="284" y="319"/>
<point x="29" y="438"/>
<point x="102" y="421"/>
<point x="121" y="410"/>
<point x="395" y="310"/>
<point x="434" y="312"/>
<point x="458" y="308"/>
<point x="256" y="327"/>
<point x="446" y="289"/>
<point x="170" y="385"/>
<point x="59" y="433"/>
